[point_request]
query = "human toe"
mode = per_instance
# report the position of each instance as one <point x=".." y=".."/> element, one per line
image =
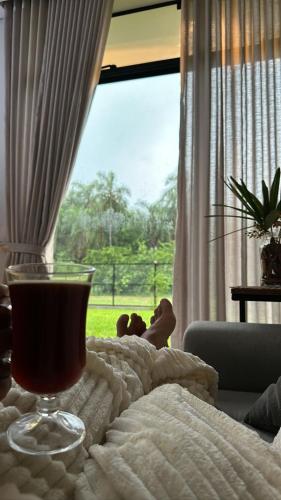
<point x="122" y="325"/>
<point x="141" y="326"/>
<point x="165" y="305"/>
<point x="152" y="320"/>
<point x="137" y="325"/>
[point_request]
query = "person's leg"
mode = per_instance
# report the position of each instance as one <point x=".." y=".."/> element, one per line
<point x="162" y="325"/>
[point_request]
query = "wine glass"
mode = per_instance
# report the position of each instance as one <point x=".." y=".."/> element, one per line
<point x="49" y="306"/>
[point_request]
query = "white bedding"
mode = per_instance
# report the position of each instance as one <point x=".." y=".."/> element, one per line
<point x="151" y="434"/>
<point x="172" y="445"/>
<point x="119" y="372"/>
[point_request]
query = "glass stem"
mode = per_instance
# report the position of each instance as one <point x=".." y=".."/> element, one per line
<point x="47" y="405"/>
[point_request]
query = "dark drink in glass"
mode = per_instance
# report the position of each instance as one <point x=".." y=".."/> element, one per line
<point x="48" y="334"/>
<point x="49" y="306"/>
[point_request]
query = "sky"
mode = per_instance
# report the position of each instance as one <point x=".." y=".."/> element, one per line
<point x="132" y="130"/>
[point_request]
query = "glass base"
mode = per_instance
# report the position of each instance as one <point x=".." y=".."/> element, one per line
<point x="46" y="434"/>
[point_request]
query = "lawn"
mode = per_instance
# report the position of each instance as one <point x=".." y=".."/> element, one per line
<point x="124" y="300"/>
<point x="101" y="322"/>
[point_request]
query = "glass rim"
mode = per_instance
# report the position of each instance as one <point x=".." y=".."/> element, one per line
<point x="24" y="268"/>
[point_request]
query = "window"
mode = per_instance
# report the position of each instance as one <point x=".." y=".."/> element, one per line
<point x="143" y="44"/>
<point x="120" y="210"/>
<point x="132" y="130"/>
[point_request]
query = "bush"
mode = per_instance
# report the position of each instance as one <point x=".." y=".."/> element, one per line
<point x="132" y="273"/>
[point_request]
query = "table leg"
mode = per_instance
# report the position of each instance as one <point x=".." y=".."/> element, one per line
<point x="242" y="310"/>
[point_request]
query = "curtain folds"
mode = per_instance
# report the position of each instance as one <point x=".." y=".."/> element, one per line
<point x="53" y="58"/>
<point x="230" y="109"/>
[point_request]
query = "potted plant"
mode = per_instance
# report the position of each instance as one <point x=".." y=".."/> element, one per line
<point x="265" y="215"/>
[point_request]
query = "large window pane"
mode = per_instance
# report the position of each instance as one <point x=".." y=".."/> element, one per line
<point x="119" y="213"/>
<point x="133" y="130"/>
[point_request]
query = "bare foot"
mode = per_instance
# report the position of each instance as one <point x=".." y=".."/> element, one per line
<point x="136" y="327"/>
<point x="162" y="325"/>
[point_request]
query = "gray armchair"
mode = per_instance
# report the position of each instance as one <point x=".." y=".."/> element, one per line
<point x="247" y="357"/>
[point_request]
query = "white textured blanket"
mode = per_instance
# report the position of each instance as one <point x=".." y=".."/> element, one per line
<point x="119" y="372"/>
<point x="171" y="445"/>
<point x="150" y="435"/>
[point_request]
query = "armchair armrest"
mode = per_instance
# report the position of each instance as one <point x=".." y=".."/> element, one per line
<point x="247" y="356"/>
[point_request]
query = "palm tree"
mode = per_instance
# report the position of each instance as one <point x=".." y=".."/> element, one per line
<point x="111" y="197"/>
<point x="169" y="198"/>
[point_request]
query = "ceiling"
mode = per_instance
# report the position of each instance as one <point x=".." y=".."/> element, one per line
<point x="120" y="5"/>
<point x="142" y="37"/>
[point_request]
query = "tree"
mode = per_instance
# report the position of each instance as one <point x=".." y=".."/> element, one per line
<point x="157" y="227"/>
<point x="169" y="198"/>
<point x="90" y="215"/>
<point x="111" y="196"/>
<point x="97" y="215"/>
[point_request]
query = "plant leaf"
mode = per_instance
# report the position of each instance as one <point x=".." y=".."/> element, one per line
<point x="246" y="198"/>
<point x="256" y="204"/>
<point x="265" y="212"/>
<point x="251" y="199"/>
<point x="274" y="190"/>
<point x="234" y="216"/>
<point x="265" y="197"/>
<point x="240" y="197"/>
<point x="231" y="232"/>
<point x="233" y="208"/>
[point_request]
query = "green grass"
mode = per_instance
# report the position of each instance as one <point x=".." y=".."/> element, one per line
<point x="124" y="300"/>
<point x="120" y="300"/>
<point x="101" y="322"/>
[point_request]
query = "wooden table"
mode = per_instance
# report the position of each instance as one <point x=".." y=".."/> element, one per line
<point x="254" y="293"/>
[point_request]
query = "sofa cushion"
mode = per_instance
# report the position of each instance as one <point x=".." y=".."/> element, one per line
<point x="237" y="404"/>
<point x="265" y="413"/>
<point x="247" y="356"/>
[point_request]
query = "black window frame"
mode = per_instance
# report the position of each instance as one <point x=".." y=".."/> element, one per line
<point x="112" y="73"/>
<point x="148" y="7"/>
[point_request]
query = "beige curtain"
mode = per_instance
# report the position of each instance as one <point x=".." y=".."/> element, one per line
<point x="2" y="121"/>
<point x="53" y="55"/>
<point x="230" y="125"/>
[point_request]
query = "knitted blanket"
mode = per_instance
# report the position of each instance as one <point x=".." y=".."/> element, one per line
<point x="172" y="445"/>
<point x="119" y="373"/>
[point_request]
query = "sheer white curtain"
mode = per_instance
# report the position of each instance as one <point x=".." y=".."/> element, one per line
<point x="230" y="125"/>
<point x="53" y="55"/>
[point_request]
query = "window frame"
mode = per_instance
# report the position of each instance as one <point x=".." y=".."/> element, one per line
<point x="146" y="7"/>
<point x="113" y="73"/>
<point x="110" y="74"/>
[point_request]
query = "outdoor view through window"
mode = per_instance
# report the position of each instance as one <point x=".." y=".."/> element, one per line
<point x="120" y="209"/>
